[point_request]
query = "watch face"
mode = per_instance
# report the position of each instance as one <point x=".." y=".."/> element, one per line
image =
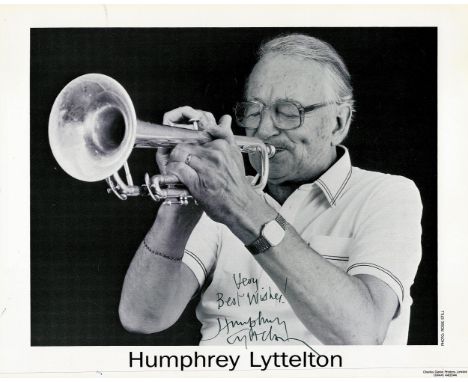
<point x="273" y="233"/>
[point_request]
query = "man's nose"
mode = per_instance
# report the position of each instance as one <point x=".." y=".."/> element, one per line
<point x="267" y="127"/>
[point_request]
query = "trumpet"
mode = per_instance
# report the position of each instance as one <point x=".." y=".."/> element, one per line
<point x="93" y="129"/>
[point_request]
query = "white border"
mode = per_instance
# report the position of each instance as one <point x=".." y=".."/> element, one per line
<point x="16" y="355"/>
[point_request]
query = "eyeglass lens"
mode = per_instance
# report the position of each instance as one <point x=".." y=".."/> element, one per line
<point x="286" y="115"/>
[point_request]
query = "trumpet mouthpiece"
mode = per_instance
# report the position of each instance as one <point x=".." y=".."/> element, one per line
<point x="271" y="150"/>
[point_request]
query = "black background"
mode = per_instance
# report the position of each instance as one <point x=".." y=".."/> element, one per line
<point x="82" y="239"/>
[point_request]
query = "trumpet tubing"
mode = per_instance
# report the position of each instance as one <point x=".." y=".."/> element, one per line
<point x="93" y="129"/>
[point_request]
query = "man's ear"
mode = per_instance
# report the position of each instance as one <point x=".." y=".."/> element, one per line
<point x="343" y="121"/>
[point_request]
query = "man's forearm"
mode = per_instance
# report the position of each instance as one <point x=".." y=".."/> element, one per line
<point x="153" y="294"/>
<point x="336" y="307"/>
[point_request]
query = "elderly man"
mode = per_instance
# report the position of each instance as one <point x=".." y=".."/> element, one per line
<point x="326" y="255"/>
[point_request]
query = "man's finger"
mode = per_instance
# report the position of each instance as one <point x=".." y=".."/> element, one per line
<point x="162" y="157"/>
<point x="181" y="114"/>
<point x="190" y="155"/>
<point x="185" y="173"/>
<point x="207" y="122"/>
<point x="180" y="151"/>
<point x="224" y="130"/>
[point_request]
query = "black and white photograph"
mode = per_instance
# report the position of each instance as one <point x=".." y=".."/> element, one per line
<point x="330" y="243"/>
<point x="233" y="190"/>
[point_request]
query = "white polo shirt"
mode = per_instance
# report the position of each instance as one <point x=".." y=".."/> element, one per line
<point x="362" y="222"/>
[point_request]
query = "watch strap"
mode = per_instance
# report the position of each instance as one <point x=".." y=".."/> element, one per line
<point x="261" y="244"/>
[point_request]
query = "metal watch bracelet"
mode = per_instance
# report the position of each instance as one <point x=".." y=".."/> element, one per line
<point x="261" y="244"/>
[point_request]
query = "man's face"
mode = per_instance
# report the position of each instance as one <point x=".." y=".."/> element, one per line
<point x="306" y="152"/>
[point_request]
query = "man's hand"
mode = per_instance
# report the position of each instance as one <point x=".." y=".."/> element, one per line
<point x="214" y="171"/>
<point x="180" y="118"/>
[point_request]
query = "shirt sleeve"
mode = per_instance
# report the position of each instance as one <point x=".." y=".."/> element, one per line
<point x="387" y="241"/>
<point x="201" y="251"/>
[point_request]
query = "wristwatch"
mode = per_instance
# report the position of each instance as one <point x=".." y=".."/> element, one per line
<point x="271" y="235"/>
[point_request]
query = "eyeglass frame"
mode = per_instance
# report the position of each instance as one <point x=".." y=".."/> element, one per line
<point x="303" y="110"/>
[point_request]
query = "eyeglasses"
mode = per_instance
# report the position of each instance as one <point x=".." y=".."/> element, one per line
<point x="286" y="114"/>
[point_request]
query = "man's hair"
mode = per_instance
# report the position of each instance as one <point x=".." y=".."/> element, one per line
<point x="313" y="49"/>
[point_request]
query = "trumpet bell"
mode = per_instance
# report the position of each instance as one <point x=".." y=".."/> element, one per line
<point x="92" y="127"/>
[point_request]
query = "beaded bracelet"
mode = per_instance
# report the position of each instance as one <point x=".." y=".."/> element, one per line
<point x="157" y="253"/>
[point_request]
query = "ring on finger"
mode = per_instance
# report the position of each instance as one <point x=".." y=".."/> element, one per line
<point x="188" y="159"/>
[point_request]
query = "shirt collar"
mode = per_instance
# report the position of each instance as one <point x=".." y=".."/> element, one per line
<point x="333" y="182"/>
